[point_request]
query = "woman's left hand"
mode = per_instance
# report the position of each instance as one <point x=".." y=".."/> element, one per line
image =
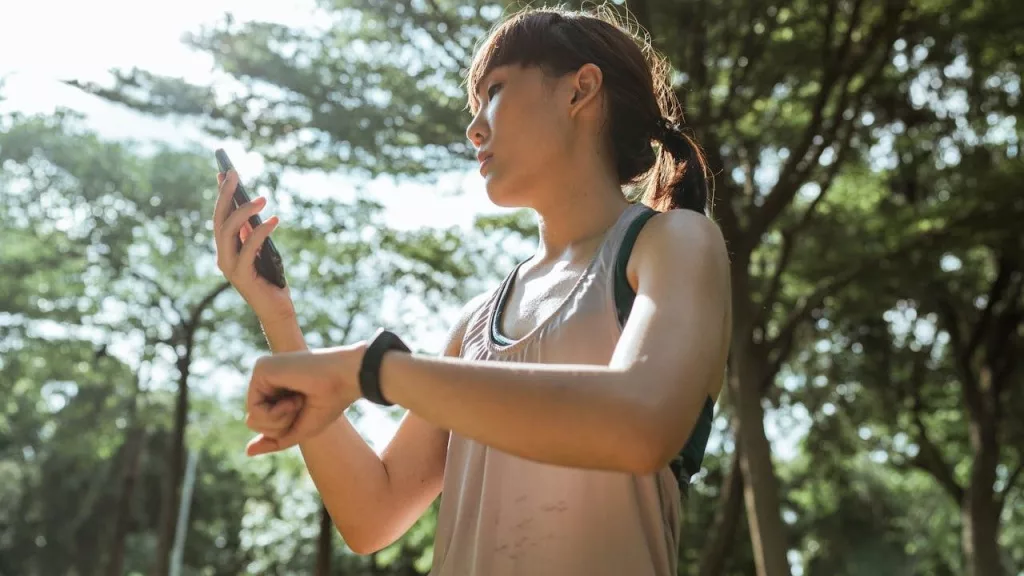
<point x="293" y="396"/>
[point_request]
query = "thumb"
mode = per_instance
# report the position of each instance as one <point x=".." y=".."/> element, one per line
<point x="262" y="445"/>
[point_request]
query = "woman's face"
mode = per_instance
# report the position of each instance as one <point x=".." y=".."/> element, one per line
<point x="522" y="129"/>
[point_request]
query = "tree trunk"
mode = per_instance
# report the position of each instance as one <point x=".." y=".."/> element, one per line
<point x="133" y="451"/>
<point x="175" y="470"/>
<point x="979" y="510"/>
<point x="723" y="533"/>
<point x="761" y="487"/>
<point x="323" y="544"/>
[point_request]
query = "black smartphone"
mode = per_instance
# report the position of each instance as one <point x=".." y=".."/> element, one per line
<point x="268" y="260"/>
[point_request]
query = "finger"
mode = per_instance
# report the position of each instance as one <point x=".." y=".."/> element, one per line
<point x="228" y="236"/>
<point x="225" y="189"/>
<point x="244" y="235"/>
<point x="232" y="227"/>
<point x="274" y="419"/>
<point x="283" y="442"/>
<point x="270" y="414"/>
<point x="245" y="231"/>
<point x="262" y="384"/>
<point x="284" y="403"/>
<point x="273" y="432"/>
<point x="261" y="445"/>
<point x="273" y="377"/>
<point x="302" y="428"/>
<point x="255" y="241"/>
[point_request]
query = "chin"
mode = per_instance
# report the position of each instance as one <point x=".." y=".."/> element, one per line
<point x="502" y="196"/>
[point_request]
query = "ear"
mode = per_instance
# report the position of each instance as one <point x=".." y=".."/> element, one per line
<point x="586" y="86"/>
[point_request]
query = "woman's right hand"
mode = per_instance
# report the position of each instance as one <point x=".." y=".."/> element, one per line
<point x="230" y="229"/>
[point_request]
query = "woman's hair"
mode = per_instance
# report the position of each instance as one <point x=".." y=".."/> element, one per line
<point x="641" y="109"/>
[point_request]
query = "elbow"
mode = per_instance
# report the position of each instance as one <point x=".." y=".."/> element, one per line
<point x="364" y="542"/>
<point x="357" y="546"/>
<point x="362" y="545"/>
<point x="361" y="550"/>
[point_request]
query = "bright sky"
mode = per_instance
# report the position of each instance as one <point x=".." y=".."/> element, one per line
<point x="45" y="41"/>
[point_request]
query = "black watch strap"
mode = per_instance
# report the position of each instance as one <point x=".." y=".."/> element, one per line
<point x="369" y="370"/>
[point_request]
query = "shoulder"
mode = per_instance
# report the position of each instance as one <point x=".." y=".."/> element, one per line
<point x="680" y="241"/>
<point x="679" y="231"/>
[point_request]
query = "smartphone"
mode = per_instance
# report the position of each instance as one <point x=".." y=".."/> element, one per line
<point x="268" y="260"/>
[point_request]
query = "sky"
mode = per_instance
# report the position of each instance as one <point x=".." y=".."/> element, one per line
<point x="45" y="41"/>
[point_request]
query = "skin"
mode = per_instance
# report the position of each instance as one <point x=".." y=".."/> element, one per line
<point x="632" y="415"/>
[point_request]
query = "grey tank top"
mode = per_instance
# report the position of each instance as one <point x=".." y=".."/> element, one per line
<point x="502" y="515"/>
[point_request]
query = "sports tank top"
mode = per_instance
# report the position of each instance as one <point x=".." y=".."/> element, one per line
<point x="502" y="515"/>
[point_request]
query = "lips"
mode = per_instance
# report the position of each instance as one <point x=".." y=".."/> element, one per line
<point x="484" y="160"/>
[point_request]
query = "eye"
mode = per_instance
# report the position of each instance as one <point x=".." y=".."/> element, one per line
<point x="492" y="89"/>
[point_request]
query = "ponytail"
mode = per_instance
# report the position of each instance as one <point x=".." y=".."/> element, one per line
<point x="680" y="175"/>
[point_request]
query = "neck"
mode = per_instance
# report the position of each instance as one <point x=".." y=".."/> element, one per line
<point x="577" y="211"/>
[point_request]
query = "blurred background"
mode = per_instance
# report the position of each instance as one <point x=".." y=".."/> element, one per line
<point x="868" y="181"/>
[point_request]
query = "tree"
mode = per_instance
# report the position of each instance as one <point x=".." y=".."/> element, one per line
<point x="934" y="346"/>
<point x="787" y="97"/>
<point x="136" y="228"/>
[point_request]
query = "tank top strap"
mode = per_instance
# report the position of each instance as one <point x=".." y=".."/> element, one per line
<point x="615" y="239"/>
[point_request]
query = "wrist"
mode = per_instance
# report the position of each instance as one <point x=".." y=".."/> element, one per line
<point x="389" y="383"/>
<point x="283" y="334"/>
<point x="278" y="317"/>
<point x="382" y="346"/>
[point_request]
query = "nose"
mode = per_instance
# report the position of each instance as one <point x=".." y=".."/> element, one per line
<point x="477" y="131"/>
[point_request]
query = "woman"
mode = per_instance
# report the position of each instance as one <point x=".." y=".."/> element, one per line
<point x="576" y="397"/>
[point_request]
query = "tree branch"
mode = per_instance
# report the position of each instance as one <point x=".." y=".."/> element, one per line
<point x="805" y="156"/>
<point x="782" y="352"/>
<point x="995" y="294"/>
<point x="439" y="39"/>
<point x="815" y="298"/>
<point x="768" y="301"/>
<point x="838" y="281"/>
<point x="929" y="458"/>
<point x="193" y="320"/>
<point x="787" y="235"/>
<point x="786" y="186"/>
<point x="737" y="74"/>
<point x="161" y="290"/>
<point x="968" y="379"/>
<point x="723" y="532"/>
<point x="757" y="50"/>
<point x="1002" y="358"/>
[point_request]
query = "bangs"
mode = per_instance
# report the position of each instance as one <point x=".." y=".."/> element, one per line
<point x="528" y="39"/>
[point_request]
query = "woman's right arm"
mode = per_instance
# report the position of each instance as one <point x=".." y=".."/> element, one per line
<point x="373" y="500"/>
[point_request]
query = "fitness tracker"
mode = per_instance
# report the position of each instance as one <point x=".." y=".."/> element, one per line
<point x="369" y="370"/>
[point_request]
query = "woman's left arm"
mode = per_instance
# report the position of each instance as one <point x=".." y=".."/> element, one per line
<point x="633" y="415"/>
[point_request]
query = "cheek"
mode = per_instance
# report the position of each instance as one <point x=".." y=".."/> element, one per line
<point x="540" y="138"/>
